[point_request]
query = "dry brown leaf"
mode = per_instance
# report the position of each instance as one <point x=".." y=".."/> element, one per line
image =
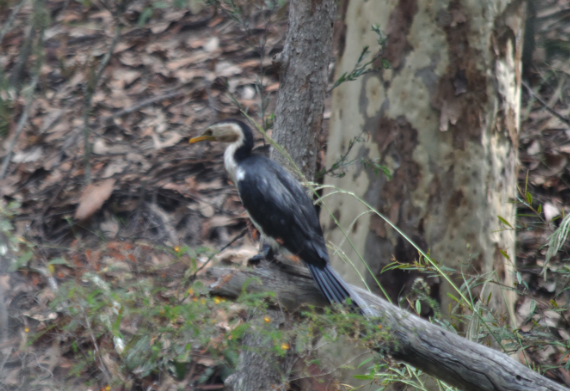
<point x="190" y="60"/>
<point x="28" y="156"/>
<point x="272" y="87"/>
<point x="159" y="27"/>
<point x="227" y="69"/>
<point x="93" y="198"/>
<point x="212" y="44"/>
<point x="173" y="139"/>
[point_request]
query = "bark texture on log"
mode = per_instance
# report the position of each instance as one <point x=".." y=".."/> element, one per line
<point x="445" y="120"/>
<point x="440" y="353"/>
<point x="303" y="82"/>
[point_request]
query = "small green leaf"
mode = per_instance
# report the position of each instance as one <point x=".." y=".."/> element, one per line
<point x="59" y="261"/>
<point x="453" y="297"/>
<point x="532" y="307"/>
<point x="145" y="16"/>
<point x="365" y="362"/>
<point x="21" y="261"/>
<point x="117" y="322"/>
<point x="418" y="307"/>
<point x="159" y="5"/>
<point x="363" y="377"/>
<point x="504" y="254"/>
<point x="528" y="198"/>
<point x="502" y="220"/>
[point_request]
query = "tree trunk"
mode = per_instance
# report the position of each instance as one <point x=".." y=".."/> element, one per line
<point x="443" y="354"/>
<point x="303" y="82"/>
<point x="298" y="119"/>
<point x="445" y="120"/>
<point x="258" y="367"/>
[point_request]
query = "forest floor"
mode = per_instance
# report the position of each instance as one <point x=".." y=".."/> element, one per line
<point x="148" y="212"/>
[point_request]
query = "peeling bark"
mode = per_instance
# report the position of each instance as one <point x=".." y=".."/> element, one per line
<point x="444" y="120"/>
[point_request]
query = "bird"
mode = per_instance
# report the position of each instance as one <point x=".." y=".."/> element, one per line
<point x="280" y="208"/>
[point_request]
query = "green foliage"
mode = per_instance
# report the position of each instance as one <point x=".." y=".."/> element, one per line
<point x="386" y="374"/>
<point x="6" y="105"/>
<point x="168" y="329"/>
<point x="151" y="327"/>
<point x="15" y="248"/>
<point x="339" y="167"/>
<point x="557" y="240"/>
<point x="361" y="67"/>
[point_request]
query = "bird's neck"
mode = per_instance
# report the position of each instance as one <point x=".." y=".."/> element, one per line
<point x="236" y="152"/>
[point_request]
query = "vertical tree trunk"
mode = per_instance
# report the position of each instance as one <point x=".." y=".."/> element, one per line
<point x="303" y="84"/>
<point x="298" y="118"/>
<point x="445" y="120"/>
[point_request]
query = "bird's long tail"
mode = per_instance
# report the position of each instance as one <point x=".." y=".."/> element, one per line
<point x="335" y="289"/>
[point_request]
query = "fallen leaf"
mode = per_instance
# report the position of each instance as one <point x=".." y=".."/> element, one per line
<point x="172" y="140"/>
<point x="272" y="87"/>
<point x="534" y="148"/>
<point x="212" y="44"/>
<point x="227" y="69"/>
<point x="159" y="27"/>
<point x="190" y="60"/>
<point x="93" y="198"/>
<point x="206" y="361"/>
<point x="28" y="156"/>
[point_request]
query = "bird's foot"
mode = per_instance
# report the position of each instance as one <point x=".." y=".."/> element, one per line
<point x="266" y="253"/>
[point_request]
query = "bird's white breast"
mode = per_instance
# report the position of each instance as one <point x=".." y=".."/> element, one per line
<point x="231" y="166"/>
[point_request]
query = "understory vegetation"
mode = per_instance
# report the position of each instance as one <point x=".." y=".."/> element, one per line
<point x="109" y="223"/>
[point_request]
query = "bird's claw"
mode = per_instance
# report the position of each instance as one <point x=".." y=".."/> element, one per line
<point x="266" y="253"/>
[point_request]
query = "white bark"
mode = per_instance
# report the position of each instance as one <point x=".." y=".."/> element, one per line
<point x="444" y="120"/>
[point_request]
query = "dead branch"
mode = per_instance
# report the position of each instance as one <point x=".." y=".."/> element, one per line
<point x="436" y="351"/>
<point x="545" y="104"/>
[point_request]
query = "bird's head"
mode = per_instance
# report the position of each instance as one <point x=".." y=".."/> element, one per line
<point x="228" y="131"/>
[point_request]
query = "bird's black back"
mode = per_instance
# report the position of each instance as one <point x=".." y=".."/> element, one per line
<point x="278" y="203"/>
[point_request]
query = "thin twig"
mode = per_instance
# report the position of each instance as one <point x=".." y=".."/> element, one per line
<point x="21" y="123"/>
<point x="8" y="24"/>
<point x="543" y="103"/>
<point x="238" y="236"/>
<point x="89" y="91"/>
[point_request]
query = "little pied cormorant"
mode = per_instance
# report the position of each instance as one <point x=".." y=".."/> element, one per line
<point x="279" y="207"/>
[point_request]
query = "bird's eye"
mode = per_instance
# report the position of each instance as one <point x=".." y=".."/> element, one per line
<point x="208" y="132"/>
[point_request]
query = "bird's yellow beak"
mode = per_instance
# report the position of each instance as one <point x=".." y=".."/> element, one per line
<point x="202" y="138"/>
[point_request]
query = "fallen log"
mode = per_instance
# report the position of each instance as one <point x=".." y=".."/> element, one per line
<point x="459" y="362"/>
